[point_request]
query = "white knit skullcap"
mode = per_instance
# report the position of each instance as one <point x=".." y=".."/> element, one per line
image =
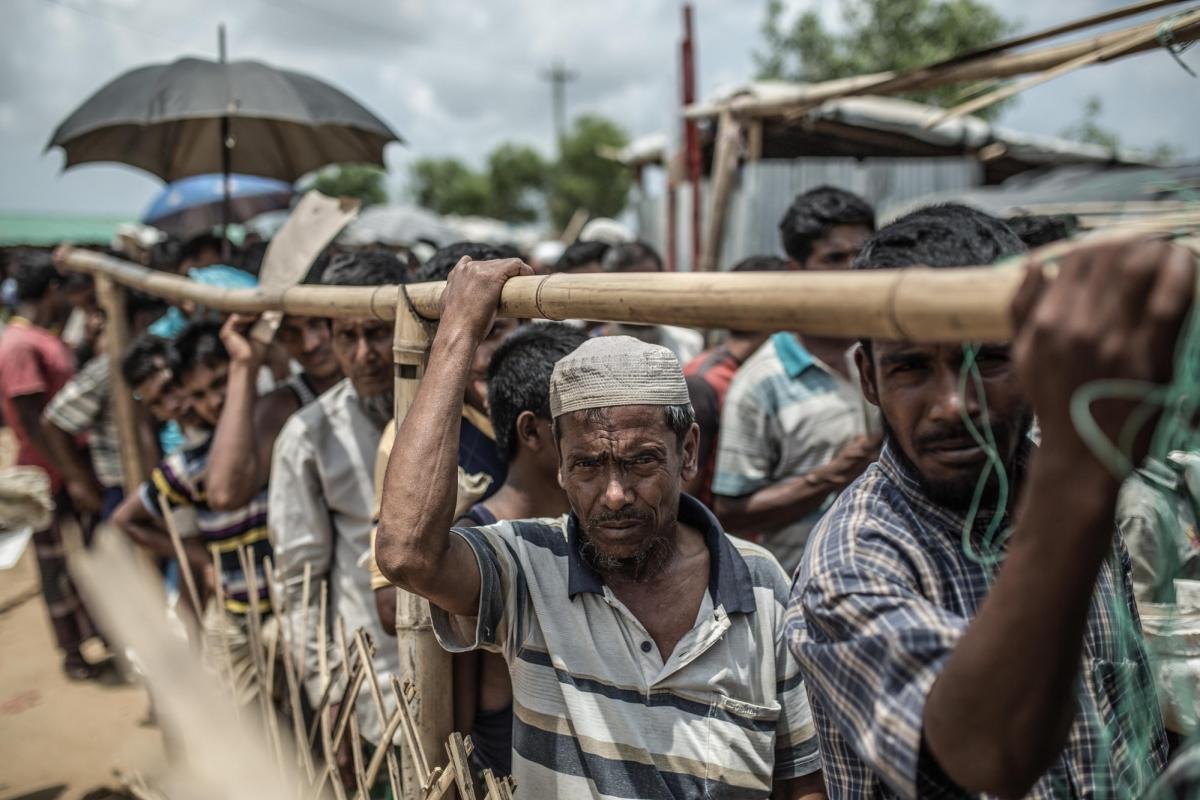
<point x="616" y="371"/>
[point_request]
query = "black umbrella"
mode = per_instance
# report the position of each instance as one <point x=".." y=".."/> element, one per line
<point x="195" y="116"/>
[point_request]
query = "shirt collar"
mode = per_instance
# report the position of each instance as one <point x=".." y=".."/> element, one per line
<point x="728" y="578"/>
<point x="794" y="356"/>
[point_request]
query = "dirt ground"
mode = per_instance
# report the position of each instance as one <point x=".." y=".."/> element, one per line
<point x="59" y="739"/>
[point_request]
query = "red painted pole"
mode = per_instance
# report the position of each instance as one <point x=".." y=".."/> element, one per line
<point x="691" y="134"/>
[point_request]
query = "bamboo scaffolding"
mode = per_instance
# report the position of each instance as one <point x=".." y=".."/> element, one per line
<point x="971" y="70"/>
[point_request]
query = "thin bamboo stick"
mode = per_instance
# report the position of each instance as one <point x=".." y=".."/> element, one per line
<point x="185" y="566"/>
<point x="1002" y="65"/>
<point x="287" y="635"/>
<point x="1138" y="38"/>
<point x="112" y="299"/>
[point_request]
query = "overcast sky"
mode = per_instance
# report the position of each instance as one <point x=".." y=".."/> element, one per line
<point x="454" y="77"/>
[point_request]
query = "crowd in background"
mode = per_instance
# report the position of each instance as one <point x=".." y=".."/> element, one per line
<point x="837" y="464"/>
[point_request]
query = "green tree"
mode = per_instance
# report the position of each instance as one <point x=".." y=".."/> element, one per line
<point x="879" y="35"/>
<point x="583" y="178"/>
<point x="517" y="179"/>
<point x="448" y="186"/>
<point x="353" y="180"/>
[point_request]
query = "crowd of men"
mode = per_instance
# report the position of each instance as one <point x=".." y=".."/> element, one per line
<point x="785" y="565"/>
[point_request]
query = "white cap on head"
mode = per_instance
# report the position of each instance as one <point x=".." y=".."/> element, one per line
<point x="616" y="371"/>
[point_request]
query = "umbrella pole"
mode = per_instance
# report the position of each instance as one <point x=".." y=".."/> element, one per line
<point x="226" y="157"/>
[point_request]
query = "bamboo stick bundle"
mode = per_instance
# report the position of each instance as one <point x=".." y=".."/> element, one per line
<point x="916" y="303"/>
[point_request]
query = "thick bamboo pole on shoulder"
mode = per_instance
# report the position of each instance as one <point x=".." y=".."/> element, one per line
<point x="111" y="296"/>
<point x="423" y="662"/>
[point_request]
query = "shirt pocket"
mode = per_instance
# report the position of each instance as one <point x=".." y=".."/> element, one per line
<point x="742" y="745"/>
<point x="1122" y="730"/>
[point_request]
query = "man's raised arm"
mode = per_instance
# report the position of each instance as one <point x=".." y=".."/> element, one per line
<point x="1002" y="707"/>
<point x="414" y="547"/>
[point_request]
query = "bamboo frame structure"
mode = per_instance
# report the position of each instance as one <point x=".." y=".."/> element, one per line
<point x="967" y="69"/>
<point x="111" y="296"/>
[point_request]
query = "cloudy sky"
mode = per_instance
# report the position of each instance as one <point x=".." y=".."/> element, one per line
<point x="455" y="77"/>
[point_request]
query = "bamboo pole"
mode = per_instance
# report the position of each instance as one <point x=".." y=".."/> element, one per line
<point x="724" y="170"/>
<point x="1139" y="38"/>
<point x="962" y="304"/>
<point x="112" y="299"/>
<point x="422" y="660"/>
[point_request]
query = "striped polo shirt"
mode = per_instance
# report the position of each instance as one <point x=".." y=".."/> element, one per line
<point x="180" y="479"/>
<point x="786" y="414"/>
<point x="596" y="711"/>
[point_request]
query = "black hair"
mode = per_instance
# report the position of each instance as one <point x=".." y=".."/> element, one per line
<point x="1036" y="230"/>
<point x="146" y="355"/>
<point x="438" y="267"/>
<point x="77" y="281"/>
<point x="812" y="214"/>
<point x="35" y="276"/>
<point x="167" y="254"/>
<point x="364" y="268"/>
<point x="251" y="257"/>
<point x="139" y="302"/>
<point x="623" y="257"/>
<point x="760" y="264"/>
<point x="941" y="236"/>
<point x="949" y="235"/>
<point x="580" y="254"/>
<point x="198" y="244"/>
<point x="199" y="344"/>
<point x="519" y="376"/>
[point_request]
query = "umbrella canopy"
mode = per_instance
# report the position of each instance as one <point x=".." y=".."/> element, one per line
<point x="194" y="204"/>
<point x="399" y="226"/>
<point x="167" y="118"/>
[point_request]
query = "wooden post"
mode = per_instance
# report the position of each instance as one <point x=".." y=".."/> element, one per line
<point x="724" y="168"/>
<point x="423" y="662"/>
<point x="116" y="334"/>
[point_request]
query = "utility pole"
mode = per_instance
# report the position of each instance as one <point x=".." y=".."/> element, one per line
<point x="559" y="76"/>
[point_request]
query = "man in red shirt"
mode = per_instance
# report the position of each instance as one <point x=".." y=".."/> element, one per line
<point x="708" y="377"/>
<point x="34" y="365"/>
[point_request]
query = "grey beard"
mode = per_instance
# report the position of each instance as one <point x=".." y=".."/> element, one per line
<point x="646" y="564"/>
<point x="379" y="407"/>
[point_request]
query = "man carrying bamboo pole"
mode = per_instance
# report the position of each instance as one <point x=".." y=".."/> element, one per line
<point x="645" y="645"/>
<point x="963" y="615"/>
<point x="202" y="364"/>
<point x="795" y="430"/>
<point x="84" y="407"/>
<point x="322" y="498"/>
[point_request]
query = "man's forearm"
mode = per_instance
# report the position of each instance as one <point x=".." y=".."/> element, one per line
<point x="993" y="724"/>
<point x="779" y="504"/>
<point x="66" y="456"/>
<point x="233" y="469"/>
<point x="421" y="483"/>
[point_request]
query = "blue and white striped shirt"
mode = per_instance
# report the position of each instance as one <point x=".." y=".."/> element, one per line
<point x="596" y="711"/>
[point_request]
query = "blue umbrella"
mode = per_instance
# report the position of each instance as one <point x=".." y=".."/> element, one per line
<point x="192" y="205"/>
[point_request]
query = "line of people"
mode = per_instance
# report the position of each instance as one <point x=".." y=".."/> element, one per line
<point x="563" y="495"/>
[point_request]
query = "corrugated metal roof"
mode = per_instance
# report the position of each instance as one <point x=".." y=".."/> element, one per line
<point x="52" y="229"/>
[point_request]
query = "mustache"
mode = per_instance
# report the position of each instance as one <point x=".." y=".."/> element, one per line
<point x="624" y="515"/>
<point x="952" y="433"/>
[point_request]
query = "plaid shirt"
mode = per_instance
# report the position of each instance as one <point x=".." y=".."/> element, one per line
<point x="882" y="597"/>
